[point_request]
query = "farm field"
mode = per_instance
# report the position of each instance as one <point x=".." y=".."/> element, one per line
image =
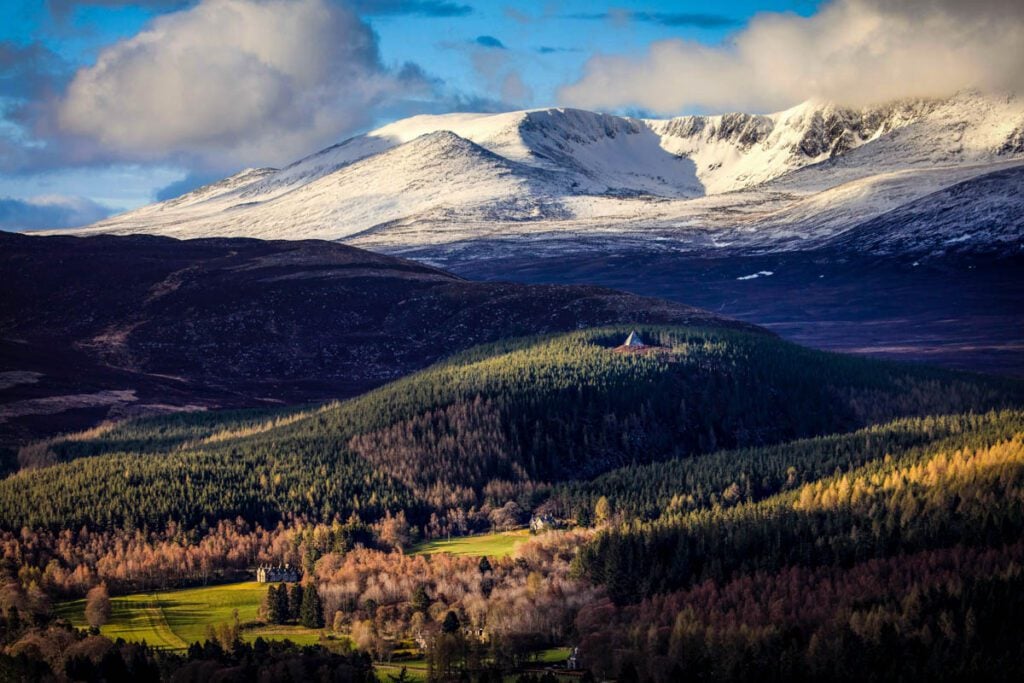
<point x="174" y="619"/>
<point x="500" y="544"/>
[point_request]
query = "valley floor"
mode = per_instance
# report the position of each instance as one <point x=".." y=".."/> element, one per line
<point x="963" y="315"/>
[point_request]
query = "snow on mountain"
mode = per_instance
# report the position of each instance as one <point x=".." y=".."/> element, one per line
<point x="440" y="170"/>
<point x="790" y="178"/>
<point x="835" y="145"/>
<point x="982" y="213"/>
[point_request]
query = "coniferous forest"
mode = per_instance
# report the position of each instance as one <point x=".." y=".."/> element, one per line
<point x="731" y="507"/>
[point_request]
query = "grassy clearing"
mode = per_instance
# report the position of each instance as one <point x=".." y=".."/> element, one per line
<point x="173" y="619"/>
<point x="492" y="545"/>
<point x="415" y="669"/>
<point x="300" y="635"/>
<point x="554" y="655"/>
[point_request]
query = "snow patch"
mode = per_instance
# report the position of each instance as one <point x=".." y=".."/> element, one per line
<point x="754" y="276"/>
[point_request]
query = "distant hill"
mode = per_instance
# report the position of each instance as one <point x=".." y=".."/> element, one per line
<point x="107" y="327"/>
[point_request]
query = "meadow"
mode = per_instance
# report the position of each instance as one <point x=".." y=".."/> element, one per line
<point x="174" y="619"/>
<point x="500" y="544"/>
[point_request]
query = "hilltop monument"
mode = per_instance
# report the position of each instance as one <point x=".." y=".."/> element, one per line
<point x="633" y="341"/>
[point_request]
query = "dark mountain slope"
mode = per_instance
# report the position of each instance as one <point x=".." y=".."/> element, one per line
<point x="102" y="327"/>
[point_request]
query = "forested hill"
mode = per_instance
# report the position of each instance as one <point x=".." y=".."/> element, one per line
<point x="901" y="563"/>
<point x="486" y="427"/>
<point x="95" y="328"/>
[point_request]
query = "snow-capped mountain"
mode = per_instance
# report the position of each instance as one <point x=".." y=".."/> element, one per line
<point x="990" y="205"/>
<point x="779" y="181"/>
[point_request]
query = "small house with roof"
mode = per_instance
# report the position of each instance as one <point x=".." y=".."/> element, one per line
<point x="541" y="523"/>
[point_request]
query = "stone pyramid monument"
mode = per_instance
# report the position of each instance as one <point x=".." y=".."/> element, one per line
<point x="633" y="341"/>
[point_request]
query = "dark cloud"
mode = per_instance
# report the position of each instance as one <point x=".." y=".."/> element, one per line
<point x="62" y="8"/>
<point x="31" y="79"/>
<point x="548" y="50"/>
<point x="676" y="19"/>
<point x="30" y="70"/>
<point x="697" y="20"/>
<point x="426" y="8"/>
<point x="490" y="42"/>
<point x="49" y="212"/>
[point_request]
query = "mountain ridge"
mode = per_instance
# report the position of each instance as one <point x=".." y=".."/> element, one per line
<point x="600" y="176"/>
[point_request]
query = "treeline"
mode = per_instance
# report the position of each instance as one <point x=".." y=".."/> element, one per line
<point x="59" y="653"/>
<point x="924" y="500"/>
<point x="159" y="434"/>
<point x="483" y="428"/>
<point x="938" y="615"/>
<point x="728" y="478"/>
<point x="35" y="565"/>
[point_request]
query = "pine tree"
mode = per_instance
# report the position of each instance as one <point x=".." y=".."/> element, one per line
<point x="312" y="611"/>
<point x="281" y="597"/>
<point x="295" y="602"/>
<point x="273" y="614"/>
<point x="451" y="622"/>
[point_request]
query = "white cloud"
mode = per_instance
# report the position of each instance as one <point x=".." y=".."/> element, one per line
<point x="235" y="82"/>
<point x="851" y="51"/>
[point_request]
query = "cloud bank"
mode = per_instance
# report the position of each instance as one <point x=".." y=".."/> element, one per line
<point x="236" y="82"/>
<point x="426" y="8"/>
<point x="52" y="211"/>
<point x="854" y="52"/>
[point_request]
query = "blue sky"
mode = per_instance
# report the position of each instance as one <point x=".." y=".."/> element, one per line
<point x="106" y="105"/>
<point x="550" y="41"/>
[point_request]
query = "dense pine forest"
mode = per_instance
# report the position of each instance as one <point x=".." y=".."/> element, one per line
<point x="744" y="508"/>
<point x="483" y="428"/>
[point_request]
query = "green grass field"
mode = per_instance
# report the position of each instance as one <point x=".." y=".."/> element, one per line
<point x="173" y="619"/>
<point x="415" y="669"/>
<point x="554" y="655"/>
<point x="492" y="545"/>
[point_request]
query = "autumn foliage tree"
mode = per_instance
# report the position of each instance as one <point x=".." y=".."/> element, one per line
<point x="97" y="606"/>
